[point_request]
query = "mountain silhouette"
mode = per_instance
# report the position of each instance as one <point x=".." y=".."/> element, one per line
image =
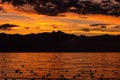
<point x="58" y="42"/>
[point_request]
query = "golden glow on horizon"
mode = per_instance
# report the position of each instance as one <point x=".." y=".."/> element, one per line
<point x="31" y="22"/>
<point x="106" y="19"/>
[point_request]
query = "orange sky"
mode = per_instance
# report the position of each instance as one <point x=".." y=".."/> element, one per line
<point x="30" y="22"/>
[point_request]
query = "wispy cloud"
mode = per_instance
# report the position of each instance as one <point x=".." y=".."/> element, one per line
<point x="7" y="26"/>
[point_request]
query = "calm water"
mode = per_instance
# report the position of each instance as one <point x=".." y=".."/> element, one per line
<point x="60" y="66"/>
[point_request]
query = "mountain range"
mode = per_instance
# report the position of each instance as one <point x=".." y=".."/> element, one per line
<point x="50" y="42"/>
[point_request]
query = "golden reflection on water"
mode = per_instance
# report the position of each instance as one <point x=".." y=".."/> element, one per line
<point x="74" y="66"/>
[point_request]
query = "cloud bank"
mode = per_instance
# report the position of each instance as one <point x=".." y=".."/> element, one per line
<point x="54" y="7"/>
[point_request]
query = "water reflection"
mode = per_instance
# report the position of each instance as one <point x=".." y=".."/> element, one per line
<point x="57" y="66"/>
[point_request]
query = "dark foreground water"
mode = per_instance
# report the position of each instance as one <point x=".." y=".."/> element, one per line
<point x="59" y="66"/>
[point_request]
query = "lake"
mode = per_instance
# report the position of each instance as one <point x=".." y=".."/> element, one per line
<point x="59" y="66"/>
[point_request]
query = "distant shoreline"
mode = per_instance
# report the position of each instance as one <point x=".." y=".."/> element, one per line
<point x="58" y="42"/>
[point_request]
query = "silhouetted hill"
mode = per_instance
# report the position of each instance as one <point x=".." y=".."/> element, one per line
<point x="58" y="42"/>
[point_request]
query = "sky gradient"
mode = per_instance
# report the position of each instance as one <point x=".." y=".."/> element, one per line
<point x="30" y="22"/>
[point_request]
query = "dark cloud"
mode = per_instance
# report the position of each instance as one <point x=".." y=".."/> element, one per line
<point x="94" y="25"/>
<point x="118" y="1"/>
<point x="94" y="29"/>
<point x="2" y="9"/>
<point x="7" y="26"/>
<point x="27" y="27"/>
<point x="99" y="25"/>
<point x="117" y="27"/>
<point x="103" y="26"/>
<point x="99" y="29"/>
<point x="54" y="7"/>
<point x="85" y="29"/>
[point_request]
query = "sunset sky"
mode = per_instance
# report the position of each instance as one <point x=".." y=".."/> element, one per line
<point x="29" y="21"/>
